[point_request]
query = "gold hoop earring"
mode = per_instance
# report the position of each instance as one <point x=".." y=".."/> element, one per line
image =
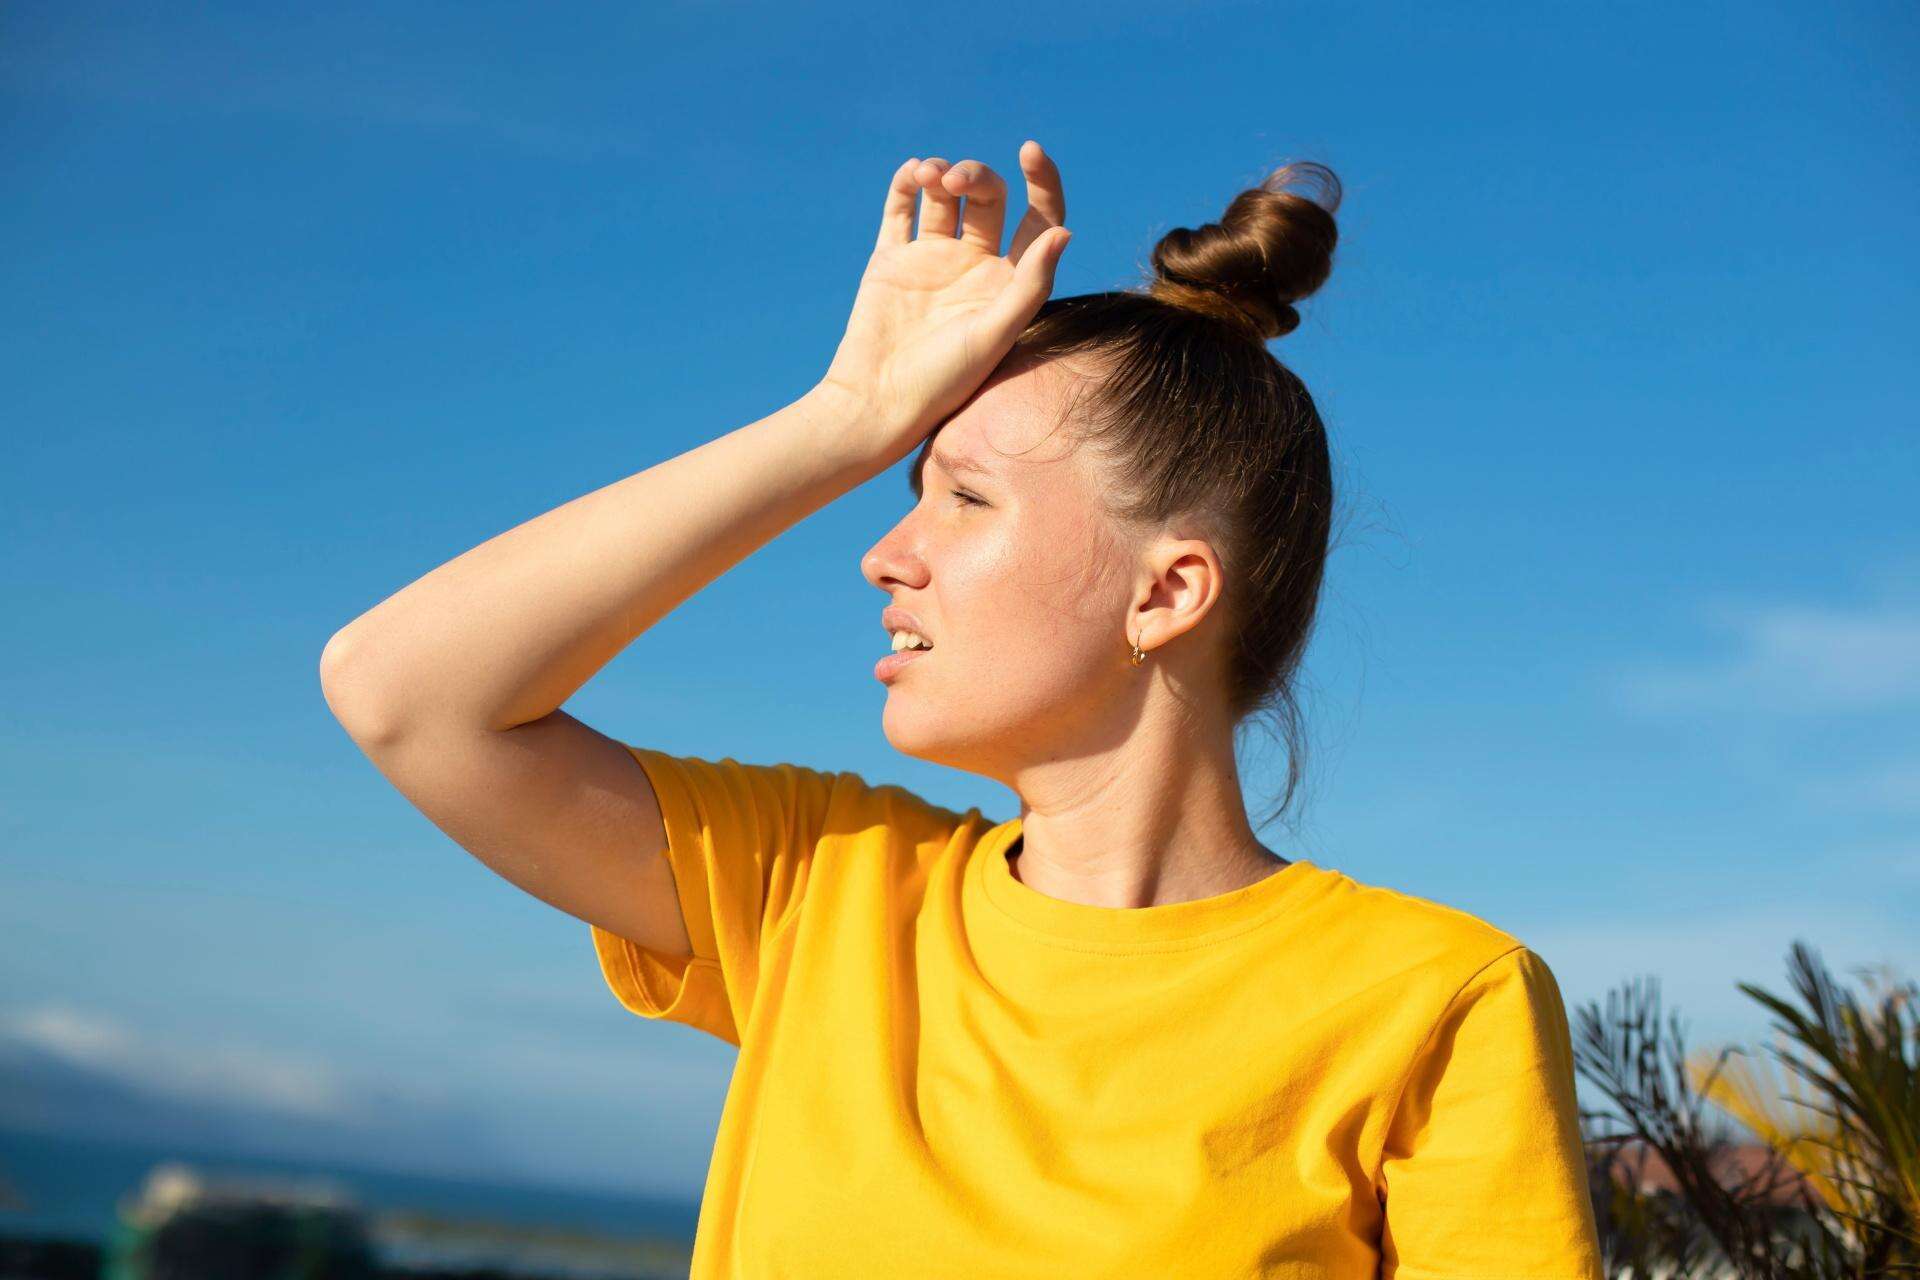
<point x="1138" y="656"/>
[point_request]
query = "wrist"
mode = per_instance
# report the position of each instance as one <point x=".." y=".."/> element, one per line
<point x="840" y="400"/>
<point x="836" y="416"/>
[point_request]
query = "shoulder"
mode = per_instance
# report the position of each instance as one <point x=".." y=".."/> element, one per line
<point x="893" y="804"/>
<point x="1418" y="920"/>
<point x="775" y="796"/>
<point x="1433" y="948"/>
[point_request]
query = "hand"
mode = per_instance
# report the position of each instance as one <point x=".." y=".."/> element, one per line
<point x="934" y="313"/>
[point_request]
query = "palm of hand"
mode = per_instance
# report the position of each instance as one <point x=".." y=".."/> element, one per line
<point x="936" y="312"/>
<point x="913" y="326"/>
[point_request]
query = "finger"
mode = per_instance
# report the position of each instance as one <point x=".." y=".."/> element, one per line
<point x="985" y="217"/>
<point x="939" y="208"/>
<point x="896" y="215"/>
<point x="1014" y="307"/>
<point x="1046" y="201"/>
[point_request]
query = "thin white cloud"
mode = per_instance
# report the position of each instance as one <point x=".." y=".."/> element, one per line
<point x="1793" y="658"/>
<point x="1700" y="956"/>
<point x="230" y="1072"/>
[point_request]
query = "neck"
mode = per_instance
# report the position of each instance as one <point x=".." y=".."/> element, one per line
<point x="1159" y="820"/>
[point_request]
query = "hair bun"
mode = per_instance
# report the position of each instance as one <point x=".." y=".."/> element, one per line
<point x="1271" y="248"/>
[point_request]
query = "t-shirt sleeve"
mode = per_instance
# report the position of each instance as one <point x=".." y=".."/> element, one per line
<point x="740" y="842"/>
<point x="1484" y="1175"/>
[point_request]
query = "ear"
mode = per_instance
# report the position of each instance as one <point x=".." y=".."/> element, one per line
<point x="1182" y="582"/>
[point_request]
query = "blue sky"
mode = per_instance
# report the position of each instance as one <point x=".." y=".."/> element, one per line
<point x="1621" y="645"/>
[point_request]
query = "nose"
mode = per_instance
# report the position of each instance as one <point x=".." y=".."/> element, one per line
<point x="894" y="562"/>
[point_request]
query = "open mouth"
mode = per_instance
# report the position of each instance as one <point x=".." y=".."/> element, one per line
<point x="898" y="660"/>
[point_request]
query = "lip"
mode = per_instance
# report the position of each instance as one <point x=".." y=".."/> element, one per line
<point x="894" y="618"/>
<point x="893" y="664"/>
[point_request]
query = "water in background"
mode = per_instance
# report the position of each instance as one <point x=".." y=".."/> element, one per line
<point x="70" y="1188"/>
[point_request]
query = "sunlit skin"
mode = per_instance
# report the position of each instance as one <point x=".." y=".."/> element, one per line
<point x="1031" y="593"/>
<point x="455" y="684"/>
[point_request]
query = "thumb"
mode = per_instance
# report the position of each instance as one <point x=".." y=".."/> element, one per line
<point x="1032" y="282"/>
<point x="1033" y="274"/>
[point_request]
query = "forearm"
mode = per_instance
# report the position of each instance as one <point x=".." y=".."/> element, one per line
<point x="507" y="632"/>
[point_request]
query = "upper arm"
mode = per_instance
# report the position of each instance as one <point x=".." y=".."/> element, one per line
<point x="742" y="841"/>
<point x="555" y="807"/>
<point x="1484" y="1171"/>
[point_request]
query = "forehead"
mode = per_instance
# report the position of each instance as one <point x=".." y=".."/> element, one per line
<point x="1008" y="427"/>
<point x="951" y="456"/>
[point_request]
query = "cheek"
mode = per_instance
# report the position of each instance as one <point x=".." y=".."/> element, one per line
<point x="1052" y="591"/>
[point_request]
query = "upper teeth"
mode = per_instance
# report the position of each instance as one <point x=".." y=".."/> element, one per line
<point x="910" y="640"/>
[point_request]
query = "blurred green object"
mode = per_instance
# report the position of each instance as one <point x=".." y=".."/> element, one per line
<point x="1831" y="1191"/>
<point x="184" y="1226"/>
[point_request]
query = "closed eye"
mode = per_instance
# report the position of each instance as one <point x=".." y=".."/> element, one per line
<point x="966" y="499"/>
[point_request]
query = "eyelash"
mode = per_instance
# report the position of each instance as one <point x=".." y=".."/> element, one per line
<point x="966" y="499"/>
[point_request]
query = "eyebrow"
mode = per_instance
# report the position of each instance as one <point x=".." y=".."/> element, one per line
<point x="953" y="465"/>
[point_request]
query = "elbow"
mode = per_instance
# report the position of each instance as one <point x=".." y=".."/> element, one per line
<point x="353" y="699"/>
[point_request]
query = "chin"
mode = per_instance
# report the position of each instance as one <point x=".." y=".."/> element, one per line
<point x="910" y="730"/>
<point x="923" y="732"/>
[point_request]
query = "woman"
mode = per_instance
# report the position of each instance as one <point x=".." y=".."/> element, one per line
<point x="1113" y="1036"/>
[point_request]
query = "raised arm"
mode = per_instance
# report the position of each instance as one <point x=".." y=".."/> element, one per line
<point x="502" y="635"/>
<point x="453" y="685"/>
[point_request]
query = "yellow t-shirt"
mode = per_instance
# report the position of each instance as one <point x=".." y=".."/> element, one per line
<point x="945" y="1073"/>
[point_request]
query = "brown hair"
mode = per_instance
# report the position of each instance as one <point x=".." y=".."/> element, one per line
<point x="1196" y="417"/>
